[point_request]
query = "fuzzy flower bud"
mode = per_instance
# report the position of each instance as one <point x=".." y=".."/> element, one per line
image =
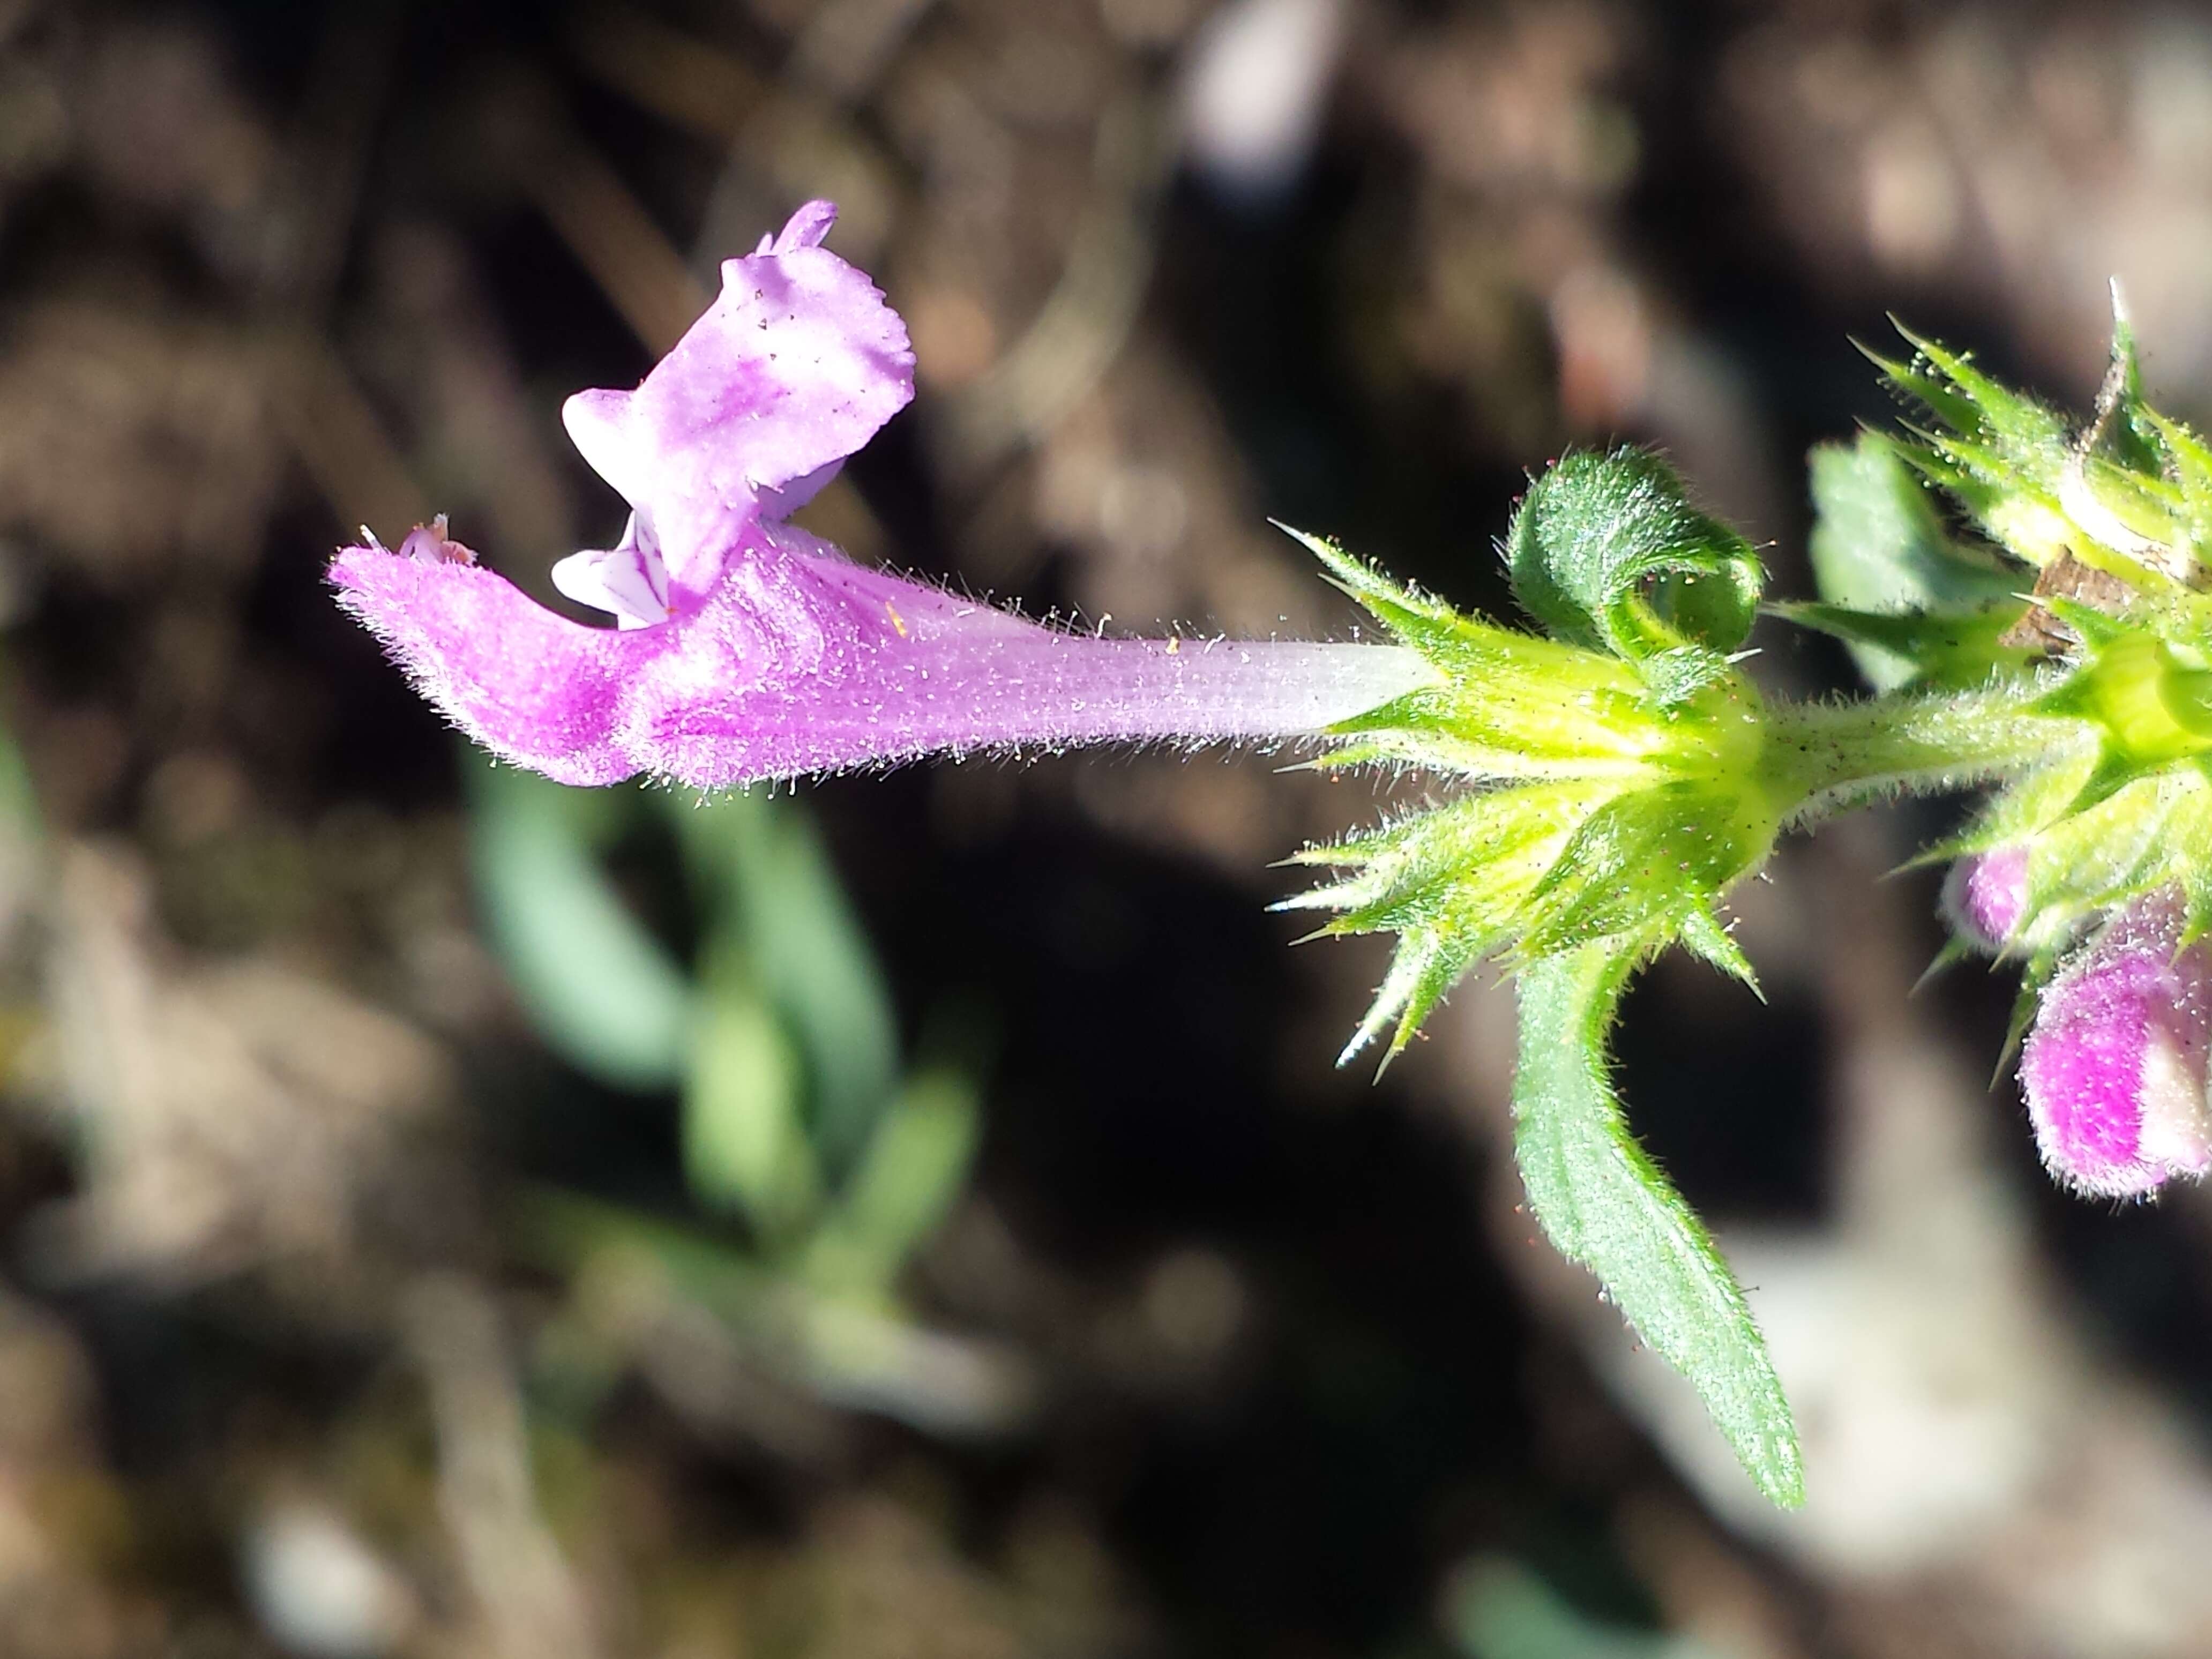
<point x="2114" y="1069"/>
<point x="1984" y="898"/>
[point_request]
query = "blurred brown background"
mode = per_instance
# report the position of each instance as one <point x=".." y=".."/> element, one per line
<point x="919" y="1216"/>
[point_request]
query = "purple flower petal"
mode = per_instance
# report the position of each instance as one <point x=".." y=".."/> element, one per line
<point x="532" y="687"/>
<point x="794" y="367"/>
<point x="1985" y="895"/>
<point x="2114" y="1069"/>
<point x="807" y="227"/>
<point x="801" y="661"/>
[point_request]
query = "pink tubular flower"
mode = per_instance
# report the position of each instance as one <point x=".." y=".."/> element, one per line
<point x="1985" y="895"/>
<point x="2114" y="1069"/>
<point x="748" y="649"/>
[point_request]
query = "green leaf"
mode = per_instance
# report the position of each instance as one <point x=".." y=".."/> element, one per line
<point x="1605" y="550"/>
<point x="561" y="1231"/>
<point x="764" y="858"/>
<point x="1946" y="650"/>
<point x="906" y="1183"/>
<point x="1604" y="1203"/>
<point x="1879" y="551"/>
<point x="745" y="1149"/>
<point x="605" y="995"/>
<point x="1495" y="1608"/>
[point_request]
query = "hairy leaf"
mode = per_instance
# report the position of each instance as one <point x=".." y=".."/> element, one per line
<point x="1607" y="551"/>
<point x="1946" y="650"/>
<point x="1886" y="565"/>
<point x="1603" y="1202"/>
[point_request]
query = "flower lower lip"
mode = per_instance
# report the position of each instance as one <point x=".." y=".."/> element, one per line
<point x="2114" y="1068"/>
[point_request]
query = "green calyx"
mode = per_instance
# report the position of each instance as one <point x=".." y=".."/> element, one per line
<point x="1618" y="787"/>
<point x="2130" y="495"/>
<point x="1618" y="778"/>
<point x="2028" y="601"/>
<point x="2126" y="807"/>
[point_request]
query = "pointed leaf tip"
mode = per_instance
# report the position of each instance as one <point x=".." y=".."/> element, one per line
<point x="1605" y="1204"/>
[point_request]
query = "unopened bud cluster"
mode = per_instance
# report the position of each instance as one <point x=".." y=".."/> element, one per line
<point x="2114" y="1067"/>
<point x="2094" y="868"/>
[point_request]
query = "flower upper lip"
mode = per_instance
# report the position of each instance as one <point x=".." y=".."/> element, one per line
<point x="796" y="364"/>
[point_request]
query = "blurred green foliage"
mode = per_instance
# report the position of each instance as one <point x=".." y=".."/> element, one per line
<point x="818" y="1162"/>
<point x="1495" y="1608"/>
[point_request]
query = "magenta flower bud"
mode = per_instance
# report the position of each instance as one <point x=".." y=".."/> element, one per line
<point x="2114" y="1068"/>
<point x="1985" y="896"/>
<point x="745" y="648"/>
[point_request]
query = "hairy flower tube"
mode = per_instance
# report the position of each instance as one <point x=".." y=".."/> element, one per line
<point x="749" y="649"/>
<point x="2114" y="1067"/>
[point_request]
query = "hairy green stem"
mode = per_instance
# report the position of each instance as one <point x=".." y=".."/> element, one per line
<point x="1820" y="758"/>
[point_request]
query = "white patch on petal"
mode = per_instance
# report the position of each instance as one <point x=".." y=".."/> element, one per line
<point x="630" y="580"/>
<point x="2177" y="1128"/>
